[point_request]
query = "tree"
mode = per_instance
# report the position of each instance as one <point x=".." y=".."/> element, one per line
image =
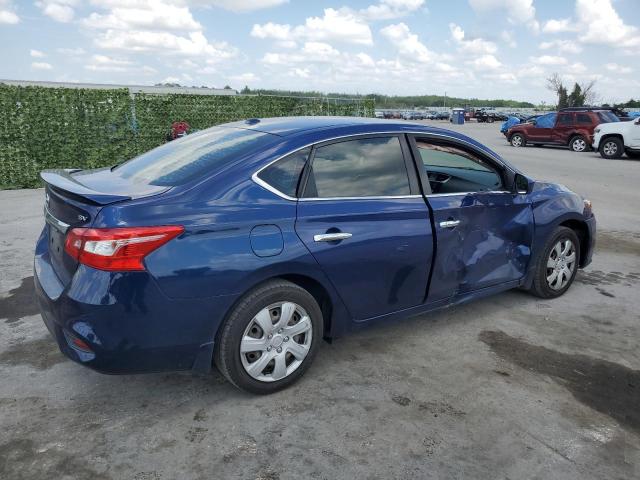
<point x="581" y="95"/>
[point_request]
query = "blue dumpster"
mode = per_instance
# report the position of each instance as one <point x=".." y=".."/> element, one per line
<point x="457" y="116"/>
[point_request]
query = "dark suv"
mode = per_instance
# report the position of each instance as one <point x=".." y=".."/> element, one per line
<point x="570" y="126"/>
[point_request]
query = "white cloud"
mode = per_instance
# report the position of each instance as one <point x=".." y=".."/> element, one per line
<point x="577" y="67"/>
<point x="335" y="25"/>
<point x="564" y="46"/>
<point x="614" y="67"/>
<point x="390" y="9"/>
<point x="518" y="11"/>
<point x="59" y="10"/>
<point x="271" y="30"/>
<point x="41" y="66"/>
<point x="549" y="60"/>
<point x="486" y="62"/>
<point x="103" y="63"/>
<point x="71" y="52"/>
<point x="153" y="26"/>
<point x="559" y="26"/>
<point x="603" y="25"/>
<point x="7" y="13"/>
<point x="245" y="78"/>
<point x="475" y="46"/>
<point x="508" y="38"/>
<point x="240" y="5"/>
<point x="36" y="53"/>
<point x="407" y="44"/>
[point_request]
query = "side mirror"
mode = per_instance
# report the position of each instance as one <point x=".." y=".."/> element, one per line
<point x="534" y="122"/>
<point x="522" y="185"/>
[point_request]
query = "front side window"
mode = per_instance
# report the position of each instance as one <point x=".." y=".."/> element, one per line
<point x="583" y="118"/>
<point x="546" y="121"/>
<point x="284" y="174"/>
<point x="453" y="170"/>
<point x="368" y="167"/>
<point x="565" y="119"/>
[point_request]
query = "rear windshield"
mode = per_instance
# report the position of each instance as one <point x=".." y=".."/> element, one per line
<point x="608" y="117"/>
<point x="193" y="156"/>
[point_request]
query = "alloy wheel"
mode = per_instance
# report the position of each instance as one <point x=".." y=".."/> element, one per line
<point x="579" y="145"/>
<point x="516" y="141"/>
<point x="276" y="341"/>
<point x="610" y="149"/>
<point x="561" y="264"/>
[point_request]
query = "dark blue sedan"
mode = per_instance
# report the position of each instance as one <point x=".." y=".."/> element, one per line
<point x="246" y="244"/>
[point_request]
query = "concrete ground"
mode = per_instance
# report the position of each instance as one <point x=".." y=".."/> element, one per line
<point x="511" y="387"/>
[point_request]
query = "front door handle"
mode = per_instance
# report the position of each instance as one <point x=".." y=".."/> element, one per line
<point x="331" y="237"/>
<point x="449" y="224"/>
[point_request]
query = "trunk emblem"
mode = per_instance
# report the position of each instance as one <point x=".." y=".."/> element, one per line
<point x="82" y="218"/>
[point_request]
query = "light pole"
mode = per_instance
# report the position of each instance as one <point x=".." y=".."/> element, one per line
<point x="445" y="100"/>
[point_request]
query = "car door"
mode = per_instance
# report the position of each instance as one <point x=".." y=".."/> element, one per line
<point x="541" y="129"/>
<point x="362" y="217"/>
<point x="565" y="125"/>
<point x="483" y="231"/>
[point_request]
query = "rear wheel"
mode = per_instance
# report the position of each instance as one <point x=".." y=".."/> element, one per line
<point x="611" y="147"/>
<point x="558" y="265"/>
<point x="517" y="140"/>
<point x="270" y="338"/>
<point x="578" y="144"/>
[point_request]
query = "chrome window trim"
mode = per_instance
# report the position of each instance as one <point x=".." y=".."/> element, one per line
<point x="373" y="197"/>
<point x="54" y="222"/>
<point x="465" y="193"/>
<point x="277" y="192"/>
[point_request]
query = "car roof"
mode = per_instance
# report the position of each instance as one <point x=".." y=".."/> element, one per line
<point x="320" y="128"/>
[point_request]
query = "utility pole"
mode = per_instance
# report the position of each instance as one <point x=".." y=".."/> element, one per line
<point x="445" y="99"/>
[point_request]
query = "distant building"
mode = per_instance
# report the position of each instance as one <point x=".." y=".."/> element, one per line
<point x="159" y="90"/>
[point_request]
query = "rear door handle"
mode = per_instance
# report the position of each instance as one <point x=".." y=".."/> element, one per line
<point x="449" y="224"/>
<point x="331" y="237"/>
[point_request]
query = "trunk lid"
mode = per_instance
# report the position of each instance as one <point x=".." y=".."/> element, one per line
<point x="73" y="199"/>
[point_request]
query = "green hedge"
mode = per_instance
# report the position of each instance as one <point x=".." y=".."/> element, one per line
<point x="44" y="127"/>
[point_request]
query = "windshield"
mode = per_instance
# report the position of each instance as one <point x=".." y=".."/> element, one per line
<point x="192" y="156"/>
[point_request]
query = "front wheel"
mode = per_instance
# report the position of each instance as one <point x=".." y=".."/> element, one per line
<point x="558" y="264"/>
<point x="578" y="144"/>
<point x="270" y="338"/>
<point x="517" y="140"/>
<point x="611" y="148"/>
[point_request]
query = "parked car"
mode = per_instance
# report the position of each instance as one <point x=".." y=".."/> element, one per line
<point x="614" y="139"/>
<point x="571" y="127"/>
<point x="442" y="116"/>
<point x="246" y="244"/>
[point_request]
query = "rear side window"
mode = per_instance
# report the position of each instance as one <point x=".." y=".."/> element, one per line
<point x="284" y="174"/>
<point x="583" y="118"/>
<point x="368" y="167"/>
<point x="193" y="156"/>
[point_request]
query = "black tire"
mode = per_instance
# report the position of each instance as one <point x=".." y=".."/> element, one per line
<point x="227" y="351"/>
<point x="634" y="155"/>
<point x="541" y="287"/>
<point x="611" y="148"/>
<point x="579" y="144"/>
<point x="517" y="140"/>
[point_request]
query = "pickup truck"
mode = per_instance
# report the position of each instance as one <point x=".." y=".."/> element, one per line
<point x="614" y="139"/>
<point x="571" y="127"/>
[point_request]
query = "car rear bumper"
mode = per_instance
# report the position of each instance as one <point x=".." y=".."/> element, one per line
<point x="127" y="323"/>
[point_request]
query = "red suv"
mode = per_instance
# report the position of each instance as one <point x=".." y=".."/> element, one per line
<point x="570" y="126"/>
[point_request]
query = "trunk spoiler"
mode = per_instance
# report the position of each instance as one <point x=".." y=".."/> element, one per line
<point x="119" y="189"/>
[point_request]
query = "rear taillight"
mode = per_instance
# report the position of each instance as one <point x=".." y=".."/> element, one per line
<point x="117" y="249"/>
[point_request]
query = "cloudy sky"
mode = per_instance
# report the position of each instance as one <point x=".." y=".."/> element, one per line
<point x="479" y="48"/>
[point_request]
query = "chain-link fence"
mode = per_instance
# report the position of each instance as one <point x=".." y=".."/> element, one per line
<point x="43" y="127"/>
